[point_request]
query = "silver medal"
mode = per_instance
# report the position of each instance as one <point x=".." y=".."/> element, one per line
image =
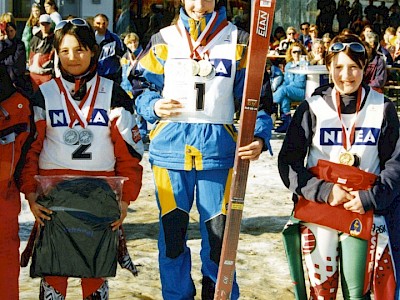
<point x="71" y="136"/>
<point x="85" y="137"/>
<point x="206" y="68"/>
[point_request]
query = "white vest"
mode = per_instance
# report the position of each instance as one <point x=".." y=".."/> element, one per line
<point x="327" y="142"/>
<point x="205" y="100"/>
<point x="56" y="154"/>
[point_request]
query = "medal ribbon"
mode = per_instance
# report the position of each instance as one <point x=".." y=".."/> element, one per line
<point x="74" y="111"/>
<point x="345" y="138"/>
<point x="205" y="36"/>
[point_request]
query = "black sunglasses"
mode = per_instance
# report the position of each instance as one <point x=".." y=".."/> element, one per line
<point x="339" y="46"/>
<point x="76" y="22"/>
<point x="296" y="51"/>
<point x="304" y="28"/>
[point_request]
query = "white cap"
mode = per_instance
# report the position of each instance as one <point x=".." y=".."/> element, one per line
<point x="45" y="18"/>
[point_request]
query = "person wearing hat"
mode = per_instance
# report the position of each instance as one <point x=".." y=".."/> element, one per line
<point x="196" y="72"/>
<point x="41" y="58"/>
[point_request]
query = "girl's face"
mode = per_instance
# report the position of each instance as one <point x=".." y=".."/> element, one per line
<point x="36" y="12"/>
<point x="367" y="30"/>
<point x="132" y="45"/>
<point x="196" y="9"/>
<point x="296" y="53"/>
<point x="319" y="49"/>
<point x="346" y="74"/>
<point x="73" y="57"/>
<point x="11" y="32"/>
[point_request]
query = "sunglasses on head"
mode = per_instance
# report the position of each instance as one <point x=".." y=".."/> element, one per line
<point x="339" y="46"/>
<point x="76" y="22"/>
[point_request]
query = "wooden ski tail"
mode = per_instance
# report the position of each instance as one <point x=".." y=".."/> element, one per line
<point x="261" y="26"/>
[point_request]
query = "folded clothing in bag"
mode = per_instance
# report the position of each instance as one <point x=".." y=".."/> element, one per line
<point x="78" y="240"/>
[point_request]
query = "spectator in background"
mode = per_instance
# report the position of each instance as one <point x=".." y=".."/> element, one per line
<point x="14" y="61"/>
<point x="128" y="61"/>
<point x="32" y="27"/>
<point x="41" y="59"/>
<point x="358" y="25"/>
<point x="51" y="9"/>
<point x="285" y="43"/>
<point x="394" y="17"/>
<point x="293" y="87"/>
<point x="279" y="35"/>
<point x="343" y="14"/>
<point x="326" y="39"/>
<point x="375" y="73"/>
<point x="327" y="11"/>
<point x="317" y="54"/>
<point x="384" y="45"/>
<point x="275" y="75"/>
<point x="155" y="23"/>
<point x="314" y="33"/>
<point x="272" y="76"/>
<point x="396" y="42"/>
<point x="111" y="50"/>
<point x="370" y="11"/>
<point x="356" y="10"/>
<point x="7" y="17"/>
<point x="383" y="10"/>
<point x="367" y="29"/>
<point x="305" y="34"/>
<point x="125" y="22"/>
<point x="128" y="64"/>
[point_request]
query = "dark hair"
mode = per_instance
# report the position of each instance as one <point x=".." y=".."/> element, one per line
<point x="101" y="15"/>
<point x="305" y="23"/>
<point x="52" y="3"/>
<point x="84" y="34"/>
<point x="279" y="29"/>
<point x="359" y="58"/>
<point x="11" y="24"/>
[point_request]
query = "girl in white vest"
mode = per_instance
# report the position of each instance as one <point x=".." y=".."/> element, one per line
<point x="344" y="128"/>
<point x="84" y="127"/>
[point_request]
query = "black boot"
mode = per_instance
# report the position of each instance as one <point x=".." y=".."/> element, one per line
<point x="285" y="124"/>
<point x="100" y="294"/>
<point x="208" y="289"/>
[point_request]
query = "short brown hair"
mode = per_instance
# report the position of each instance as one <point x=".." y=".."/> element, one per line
<point x="360" y="58"/>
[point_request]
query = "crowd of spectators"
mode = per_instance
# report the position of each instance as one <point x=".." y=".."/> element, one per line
<point x="378" y="26"/>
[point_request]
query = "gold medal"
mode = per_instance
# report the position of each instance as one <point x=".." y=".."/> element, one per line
<point x="347" y="158"/>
